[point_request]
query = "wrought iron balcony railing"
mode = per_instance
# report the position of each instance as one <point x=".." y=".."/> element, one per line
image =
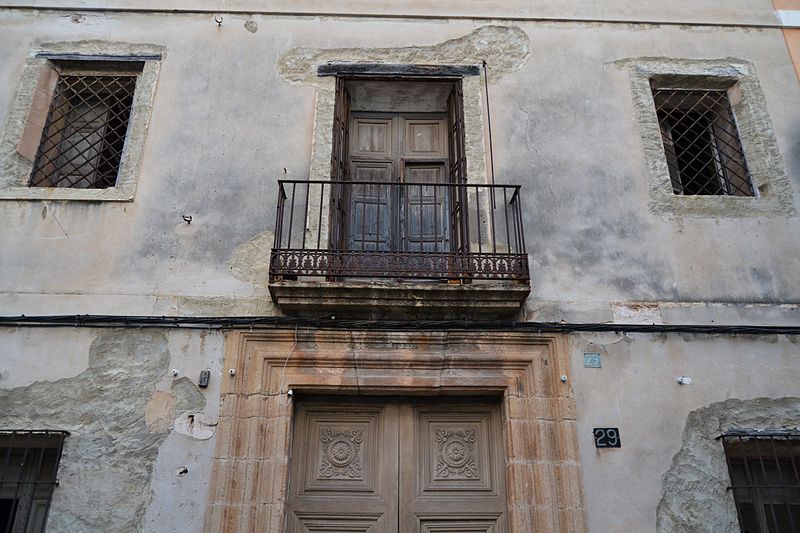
<point x="420" y="230"/>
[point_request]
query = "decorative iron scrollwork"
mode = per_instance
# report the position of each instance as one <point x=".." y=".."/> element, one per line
<point x="420" y="265"/>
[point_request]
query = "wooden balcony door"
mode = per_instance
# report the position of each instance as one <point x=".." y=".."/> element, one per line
<point x="398" y="148"/>
<point x="397" y="466"/>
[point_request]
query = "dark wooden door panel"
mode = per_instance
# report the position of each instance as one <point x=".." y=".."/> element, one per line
<point x="371" y="207"/>
<point x="373" y="137"/>
<point x="425" y="212"/>
<point x="398" y="147"/>
<point x="424" y="138"/>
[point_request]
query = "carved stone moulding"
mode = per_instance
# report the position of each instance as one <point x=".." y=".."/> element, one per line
<point x="251" y="465"/>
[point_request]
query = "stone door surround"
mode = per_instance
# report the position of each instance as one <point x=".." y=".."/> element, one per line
<point x="251" y="464"/>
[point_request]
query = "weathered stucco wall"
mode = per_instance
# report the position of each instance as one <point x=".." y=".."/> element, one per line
<point x="226" y="123"/>
<point x="691" y="11"/>
<point x="670" y="471"/>
<point x="133" y="425"/>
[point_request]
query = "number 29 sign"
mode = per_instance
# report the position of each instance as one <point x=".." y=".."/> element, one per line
<point x="607" y="438"/>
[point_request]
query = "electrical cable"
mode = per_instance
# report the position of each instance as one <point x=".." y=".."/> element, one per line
<point x="279" y="322"/>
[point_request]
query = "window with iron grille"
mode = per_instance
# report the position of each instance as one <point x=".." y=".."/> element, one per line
<point x="764" y="468"/>
<point x="83" y="138"/>
<point x="701" y="142"/>
<point x="28" y="465"/>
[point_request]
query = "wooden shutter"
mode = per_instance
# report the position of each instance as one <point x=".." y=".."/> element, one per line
<point x="455" y="123"/>
<point x="339" y="167"/>
<point x="457" y="167"/>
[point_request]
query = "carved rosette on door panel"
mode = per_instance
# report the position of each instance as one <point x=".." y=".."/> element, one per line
<point x="456" y="454"/>
<point x="341" y="454"/>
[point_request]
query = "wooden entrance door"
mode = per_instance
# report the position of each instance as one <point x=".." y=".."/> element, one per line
<point x="397" y="466"/>
<point x="389" y="148"/>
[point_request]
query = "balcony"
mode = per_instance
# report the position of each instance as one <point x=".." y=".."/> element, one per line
<point x="396" y="246"/>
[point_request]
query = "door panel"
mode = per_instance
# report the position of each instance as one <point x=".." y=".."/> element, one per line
<point x="373" y="137"/>
<point x="424" y="138"/>
<point x="344" y="469"/>
<point x="425" y="210"/>
<point x="397" y="465"/>
<point x="452" y="475"/>
<point x="371" y="208"/>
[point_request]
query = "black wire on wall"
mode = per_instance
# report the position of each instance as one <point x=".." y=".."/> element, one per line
<point x="275" y="322"/>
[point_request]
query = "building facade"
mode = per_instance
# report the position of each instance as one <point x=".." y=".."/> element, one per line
<point x="435" y="267"/>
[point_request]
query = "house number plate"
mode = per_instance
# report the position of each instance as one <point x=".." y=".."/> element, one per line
<point x="607" y="438"/>
<point x="591" y="360"/>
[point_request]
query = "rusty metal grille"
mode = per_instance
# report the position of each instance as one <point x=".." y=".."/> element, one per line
<point x="84" y="135"/>
<point x="28" y="466"/>
<point x="765" y="479"/>
<point x="382" y="264"/>
<point x="701" y="141"/>
<point x="404" y="230"/>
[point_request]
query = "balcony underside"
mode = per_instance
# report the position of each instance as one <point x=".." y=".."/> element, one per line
<point x="389" y="298"/>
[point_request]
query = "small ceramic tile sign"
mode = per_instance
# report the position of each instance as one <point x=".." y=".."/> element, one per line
<point x="591" y="359"/>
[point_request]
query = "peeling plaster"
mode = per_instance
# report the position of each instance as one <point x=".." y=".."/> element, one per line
<point x="505" y="49"/>
<point x="109" y="455"/>
<point x="163" y="406"/>
<point x="187" y="396"/>
<point x="251" y="26"/>
<point x="160" y="412"/>
<point x="695" y="491"/>
<point x="250" y="261"/>
<point x="196" y="426"/>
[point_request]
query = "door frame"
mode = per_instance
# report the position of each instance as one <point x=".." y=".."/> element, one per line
<point x="250" y="473"/>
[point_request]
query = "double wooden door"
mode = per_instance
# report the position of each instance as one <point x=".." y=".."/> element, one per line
<point x="400" y="202"/>
<point x="396" y="466"/>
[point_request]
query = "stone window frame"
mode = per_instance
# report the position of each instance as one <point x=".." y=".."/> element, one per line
<point x="472" y="86"/>
<point x="475" y="134"/>
<point x="771" y="184"/>
<point x="15" y="170"/>
<point x="250" y="473"/>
